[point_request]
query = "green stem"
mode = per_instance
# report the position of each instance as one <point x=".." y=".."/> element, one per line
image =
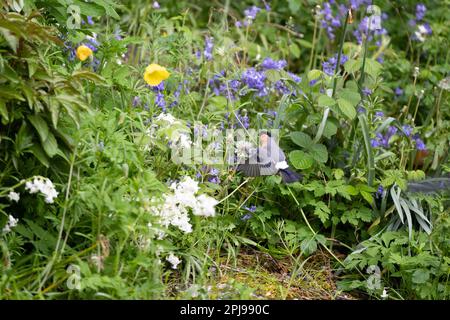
<point x="339" y="54"/>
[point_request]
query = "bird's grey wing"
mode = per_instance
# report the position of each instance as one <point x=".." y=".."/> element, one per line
<point x="267" y="164"/>
<point x="256" y="166"/>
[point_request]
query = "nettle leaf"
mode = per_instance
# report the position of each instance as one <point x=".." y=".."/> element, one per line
<point x="301" y="139"/>
<point x="319" y="152"/>
<point x="352" y="65"/>
<point x="331" y="128"/>
<point x="372" y="68"/>
<point x="350" y="95"/>
<point x="325" y="101"/>
<point x="346" y="108"/>
<point x="300" y="159"/>
<point x="420" y="276"/>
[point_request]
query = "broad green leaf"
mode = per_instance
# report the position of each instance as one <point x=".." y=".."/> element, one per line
<point x="420" y="276"/>
<point x="50" y="145"/>
<point x="314" y="74"/>
<point x="40" y="125"/>
<point x="300" y="159"/>
<point x="372" y="68"/>
<point x="325" y="101"/>
<point x="350" y="95"/>
<point x="301" y="139"/>
<point x="295" y="50"/>
<point x="347" y="108"/>
<point x="352" y="65"/>
<point x="319" y="152"/>
<point x="331" y="128"/>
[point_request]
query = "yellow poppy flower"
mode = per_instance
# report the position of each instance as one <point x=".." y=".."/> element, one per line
<point x="83" y="52"/>
<point x="154" y="74"/>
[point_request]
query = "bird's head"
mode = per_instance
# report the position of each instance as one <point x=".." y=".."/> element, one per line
<point x="264" y="138"/>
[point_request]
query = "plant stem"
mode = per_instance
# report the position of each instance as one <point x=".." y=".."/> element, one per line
<point x="338" y="62"/>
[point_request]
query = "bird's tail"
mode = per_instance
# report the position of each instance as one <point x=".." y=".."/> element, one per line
<point x="430" y="185"/>
<point x="290" y="176"/>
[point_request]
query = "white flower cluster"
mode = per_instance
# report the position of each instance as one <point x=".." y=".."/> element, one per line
<point x="44" y="186"/>
<point x="175" y="131"/>
<point x="174" y="210"/>
<point x="14" y="196"/>
<point x="11" y="223"/>
<point x="174" y="260"/>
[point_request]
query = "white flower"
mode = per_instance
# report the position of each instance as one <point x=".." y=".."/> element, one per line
<point x="11" y="223"/>
<point x="43" y="185"/>
<point x="14" y="196"/>
<point x="174" y="261"/>
<point x="281" y="165"/>
<point x="205" y="206"/>
<point x="384" y="295"/>
<point x="167" y="117"/>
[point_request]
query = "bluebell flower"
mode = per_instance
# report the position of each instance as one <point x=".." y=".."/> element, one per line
<point x="281" y="87"/>
<point x="380" y="191"/>
<point x="268" y="64"/>
<point x="251" y="209"/>
<point x="330" y="65"/>
<point x="136" y="101"/>
<point x="407" y="130"/>
<point x="251" y="12"/>
<point x="398" y="91"/>
<point x="379" y="114"/>
<point x="366" y="92"/>
<point x="295" y="77"/>
<point x="420" y="11"/>
<point x="255" y="80"/>
<point x="209" y="45"/>
<point x="246" y="217"/>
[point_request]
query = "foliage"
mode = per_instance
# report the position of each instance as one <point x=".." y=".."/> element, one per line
<point x="92" y="204"/>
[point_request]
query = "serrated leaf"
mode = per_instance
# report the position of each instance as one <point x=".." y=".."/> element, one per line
<point x="420" y="276"/>
<point x="301" y="139"/>
<point x="319" y="152"/>
<point x="322" y="211"/>
<point x="325" y="101"/>
<point x="347" y="108"/>
<point x="300" y="159"/>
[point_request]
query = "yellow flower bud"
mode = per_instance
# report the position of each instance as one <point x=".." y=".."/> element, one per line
<point x="154" y="74"/>
<point x="83" y="52"/>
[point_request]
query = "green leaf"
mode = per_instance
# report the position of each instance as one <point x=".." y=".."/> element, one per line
<point x="295" y="50"/>
<point x="4" y="112"/>
<point x="319" y="152"/>
<point x="40" y="125"/>
<point x="352" y="65"/>
<point x="347" y="108"/>
<point x="300" y="159"/>
<point x="40" y="155"/>
<point x="420" y="276"/>
<point x="331" y="128"/>
<point x="301" y="139"/>
<point x="322" y="211"/>
<point x="294" y="6"/>
<point x="350" y="95"/>
<point x="314" y="74"/>
<point x="50" y="145"/>
<point x="372" y="68"/>
<point x="325" y="101"/>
